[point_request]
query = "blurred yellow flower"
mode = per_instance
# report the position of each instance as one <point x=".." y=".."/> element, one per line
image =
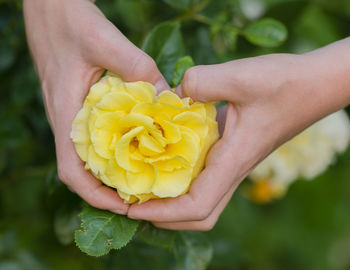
<point x="305" y="156"/>
<point x="145" y="146"/>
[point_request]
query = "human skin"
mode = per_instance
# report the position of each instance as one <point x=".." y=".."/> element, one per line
<point x="72" y="43"/>
<point x="271" y="99"/>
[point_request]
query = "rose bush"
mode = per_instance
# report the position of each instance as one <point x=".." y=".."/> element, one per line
<point x="145" y="146"/>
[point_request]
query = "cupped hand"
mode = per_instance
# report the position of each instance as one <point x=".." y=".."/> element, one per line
<point x="72" y="43"/>
<point x="270" y="99"/>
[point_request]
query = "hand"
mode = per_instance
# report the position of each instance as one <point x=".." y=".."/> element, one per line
<point x="271" y="99"/>
<point x="72" y="43"/>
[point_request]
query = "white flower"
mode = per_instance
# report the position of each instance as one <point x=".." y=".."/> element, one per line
<point x="307" y="155"/>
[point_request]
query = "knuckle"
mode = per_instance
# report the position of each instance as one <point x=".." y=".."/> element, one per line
<point x="200" y="213"/>
<point x="143" y="67"/>
<point x="206" y="226"/>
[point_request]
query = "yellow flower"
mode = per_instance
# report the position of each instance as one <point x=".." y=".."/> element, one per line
<point x="143" y="145"/>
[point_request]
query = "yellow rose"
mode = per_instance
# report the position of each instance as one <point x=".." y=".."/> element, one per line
<point x="145" y="146"/>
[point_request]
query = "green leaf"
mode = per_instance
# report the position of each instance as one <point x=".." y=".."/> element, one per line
<point x="266" y="32"/>
<point x="102" y="231"/>
<point x="156" y="237"/>
<point x="165" y="45"/>
<point x="181" y="66"/>
<point x="179" y="4"/>
<point x="192" y="250"/>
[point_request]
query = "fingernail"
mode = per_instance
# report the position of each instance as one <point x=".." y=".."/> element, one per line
<point x="161" y="85"/>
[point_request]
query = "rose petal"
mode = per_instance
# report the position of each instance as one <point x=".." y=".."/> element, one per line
<point x="97" y="91"/>
<point x="97" y="164"/>
<point x="116" y="101"/>
<point x="170" y="98"/>
<point x="142" y="91"/>
<point x="122" y="152"/>
<point x="80" y="130"/>
<point x="171" y="131"/>
<point x="148" y="145"/>
<point x="141" y="183"/>
<point x="115" y="176"/>
<point x="172" y="184"/>
<point x="194" y="121"/>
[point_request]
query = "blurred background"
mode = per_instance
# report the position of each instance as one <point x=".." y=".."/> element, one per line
<point x="308" y="228"/>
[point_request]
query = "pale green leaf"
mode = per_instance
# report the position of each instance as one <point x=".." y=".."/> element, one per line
<point x="266" y="32"/>
<point x="181" y="66"/>
<point x="102" y="231"/>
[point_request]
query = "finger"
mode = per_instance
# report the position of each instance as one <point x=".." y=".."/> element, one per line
<point x="204" y="225"/>
<point x="114" y="52"/>
<point x="206" y="191"/>
<point x="211" y="83"/>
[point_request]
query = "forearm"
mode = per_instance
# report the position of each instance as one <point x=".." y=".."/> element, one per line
<point x="330" y="67"/>
<point x="314" y="85"/>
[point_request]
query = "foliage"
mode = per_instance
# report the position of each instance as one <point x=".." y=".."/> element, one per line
<point x="308" y="229"/>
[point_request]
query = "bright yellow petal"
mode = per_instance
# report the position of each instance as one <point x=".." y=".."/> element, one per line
<point x="210" y="139"/>
<point x="187" y="147"/>
<point x="172" y="184"/>
<point x="141" y="182"/>
<point x="96" y="163"/>
<point x="171" y="164"/>
<point x="116" y="101"/>
<point x="101" y="140"/>
<point x="82" y="150"/>
<point x="122" y="152"/>
<point x="194" y="121"/>
<point x="114" y="81"/>
<point x="199" y="108"/>
<point x="137" y="120"/>
<point x="211" y="110"/>
<point x="127" y="197"/>
<point x="80" y="130"/>
<point x="146" y="197"/>
<point x="109" y="120"/>
<point x="97" y="91"/>
<point x="171" y="131"/>
<point x="115" y="177"/>
<point x="148" y="146"/>
<point x="142" y="91"/>
<point x="168" y="97"/>
<point x="150" y="109"/>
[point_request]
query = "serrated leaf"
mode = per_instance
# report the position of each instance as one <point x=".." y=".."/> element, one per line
<point x="192" y="250"/>
<point x="155" y="236"/>
<point x="266" y="32"/>
<point x="179" y="4"/>
<point x="165" y="45"/>
<point x="102" y="231"/>
<point x="181" y="66"/>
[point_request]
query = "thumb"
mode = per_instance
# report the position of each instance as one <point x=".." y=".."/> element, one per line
<point x="208" y="83"/>
<point x="117" y="54"/>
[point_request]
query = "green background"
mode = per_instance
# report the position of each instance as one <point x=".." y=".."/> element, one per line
<point x="308" y="229"/>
